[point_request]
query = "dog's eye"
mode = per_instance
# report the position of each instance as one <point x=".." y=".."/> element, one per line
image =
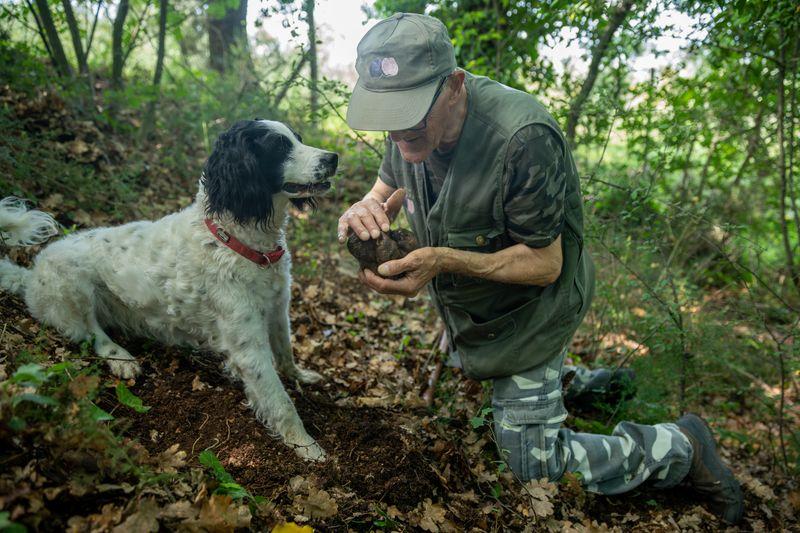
<point x="297" y="135"/>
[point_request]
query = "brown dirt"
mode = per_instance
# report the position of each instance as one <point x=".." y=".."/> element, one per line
<point x="215" y="416"/>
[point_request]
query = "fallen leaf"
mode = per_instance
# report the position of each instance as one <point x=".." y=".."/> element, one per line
<point x="291" y="527"/>
<point x="198" y="385"/>
<point x="432" y="515"/>
<point x="170" y="460"/>
<point x="318" y="504"/>
<point x="181" y="509"/>
<point x="143" y="520"/>
<point x="219" y="513"/>
<point x="81" y="386"/>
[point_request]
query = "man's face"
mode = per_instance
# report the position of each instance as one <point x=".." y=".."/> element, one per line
<point x="417" y="144"/>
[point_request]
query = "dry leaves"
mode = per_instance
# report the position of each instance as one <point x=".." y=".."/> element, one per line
<point x="318" y="504"/>
<point x="539" y="495"/>
<point x="429" y="516"/>
<point x="311" y="501"/>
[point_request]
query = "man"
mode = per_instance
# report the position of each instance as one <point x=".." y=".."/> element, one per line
<point x="491" y="191"/>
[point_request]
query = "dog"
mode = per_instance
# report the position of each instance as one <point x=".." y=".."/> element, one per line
<point x="214" y="275"/>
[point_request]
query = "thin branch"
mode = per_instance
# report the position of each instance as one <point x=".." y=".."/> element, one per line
<point x="90" y="39"/>
<point x="136" y="31"/>
<point x="357" y="134"/>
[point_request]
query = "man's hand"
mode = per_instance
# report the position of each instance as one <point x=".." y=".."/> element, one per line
<point x="368" y="217"/>
<point x="419" y="267"/>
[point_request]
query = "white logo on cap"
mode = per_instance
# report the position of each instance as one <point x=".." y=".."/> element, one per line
<point x="389" y="66"/>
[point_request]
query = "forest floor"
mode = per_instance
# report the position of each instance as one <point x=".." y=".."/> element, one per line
<point x="393" y="463"/>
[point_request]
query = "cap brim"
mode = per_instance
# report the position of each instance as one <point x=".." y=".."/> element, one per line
<point x="389" y="110"/>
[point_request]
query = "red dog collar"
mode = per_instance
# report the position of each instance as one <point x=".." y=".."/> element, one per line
<point x="259" y="258"/>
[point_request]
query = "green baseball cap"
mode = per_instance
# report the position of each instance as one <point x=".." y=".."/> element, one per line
<point x="401" y="62"/>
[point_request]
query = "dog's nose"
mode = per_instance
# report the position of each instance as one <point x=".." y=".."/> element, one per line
<point x="331" y="159"/>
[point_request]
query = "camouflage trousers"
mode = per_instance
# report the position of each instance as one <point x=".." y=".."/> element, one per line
<point x="528" y="411"/>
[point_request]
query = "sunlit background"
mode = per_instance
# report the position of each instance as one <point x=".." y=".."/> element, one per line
<point x="342" y="23"/>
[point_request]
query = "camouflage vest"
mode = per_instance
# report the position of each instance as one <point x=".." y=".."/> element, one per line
<point x="499" y="329"/>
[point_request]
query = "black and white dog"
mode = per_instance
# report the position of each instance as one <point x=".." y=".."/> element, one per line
<point x="215" y="274"/>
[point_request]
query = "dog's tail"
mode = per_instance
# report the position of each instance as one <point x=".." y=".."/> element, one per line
<point x="20" y="226"/>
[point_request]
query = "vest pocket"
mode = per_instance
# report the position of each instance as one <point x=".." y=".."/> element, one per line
<point x="474" y="240"/>
<point x="477" y="337"/>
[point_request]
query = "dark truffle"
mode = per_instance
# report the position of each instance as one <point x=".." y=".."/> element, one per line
<point x="390" y="245"/>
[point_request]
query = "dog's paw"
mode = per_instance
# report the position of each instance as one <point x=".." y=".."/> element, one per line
<point x="307" y="376"/>
<point x="311" y="452"/>
<point x="124" y="369"/>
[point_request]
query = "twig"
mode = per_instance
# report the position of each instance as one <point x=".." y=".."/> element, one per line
<point x="432" y="381"/>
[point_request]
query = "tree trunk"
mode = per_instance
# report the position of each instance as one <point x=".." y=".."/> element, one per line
<point x="224" y="34"/>
<point x="75" y="33"/>
<point x="60" y="58"/>
<point x="148" y="125"/>
<point x="163" y="11"/>
<point x="618" y="16"/>
<point x="704" y="173"/>
<point x="684" y="187"/>
<point x="117" y="55"/>
<point x="753" y="141"/>
<point x="312" y="55"/>
<point x="792" y="140"/>
<point x="787" y="244"/>
<point x="40" y="30"/>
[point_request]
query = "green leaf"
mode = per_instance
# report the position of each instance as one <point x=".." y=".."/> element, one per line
<point x="7" y="526"/>
<point x="30" y="373"/>
<point x="234" y="490"/>
<point x="477" y="421"/>
<point x="227" y="485"/>
<point x="17" y="424"/>
<point x="210" y="461"/>
<point x="129" y="399"/>
<point x="33" y="398"/>
<point x="99" y="415"/>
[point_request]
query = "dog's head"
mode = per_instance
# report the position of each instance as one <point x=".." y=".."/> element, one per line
<point x="256" y="161"/>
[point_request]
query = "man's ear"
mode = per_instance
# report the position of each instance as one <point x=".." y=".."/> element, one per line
<point x="456" y="83"/>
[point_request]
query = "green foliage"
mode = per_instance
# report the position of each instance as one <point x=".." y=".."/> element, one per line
<point x="7" y="526"/>
<point x="128" y="399"/>
<point x="481" y="419"/>
<point x="60" y="402"/>
<point x="227" y="485"/>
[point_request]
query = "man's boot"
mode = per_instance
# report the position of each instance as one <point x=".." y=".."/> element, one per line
<point x="587" y="390"/>
<point x="708" y="475"/>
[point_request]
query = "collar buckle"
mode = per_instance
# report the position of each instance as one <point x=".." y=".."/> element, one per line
<point x="223" y="236"/>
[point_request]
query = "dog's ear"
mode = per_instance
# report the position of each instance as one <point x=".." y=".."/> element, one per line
<point x="244" y="170"/>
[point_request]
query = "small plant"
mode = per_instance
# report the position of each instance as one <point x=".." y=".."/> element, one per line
<point x="227" y="485"/>
<point x="481" y="419"/>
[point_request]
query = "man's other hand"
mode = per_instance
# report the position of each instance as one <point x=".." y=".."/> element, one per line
<point x="418" y="267"/>
<point x="368" y="217"/>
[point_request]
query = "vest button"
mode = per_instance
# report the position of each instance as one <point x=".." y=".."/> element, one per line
<point x="491" y="336"/>
<point x="480" y="240"/>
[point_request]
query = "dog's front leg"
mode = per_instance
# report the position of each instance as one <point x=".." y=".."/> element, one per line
<point x="252" y="362"/>
<point x="280" y="338"/>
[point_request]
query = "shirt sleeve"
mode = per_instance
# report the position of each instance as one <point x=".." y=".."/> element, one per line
<point x="535" y="183"/>
<point x="385" y="172"/>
